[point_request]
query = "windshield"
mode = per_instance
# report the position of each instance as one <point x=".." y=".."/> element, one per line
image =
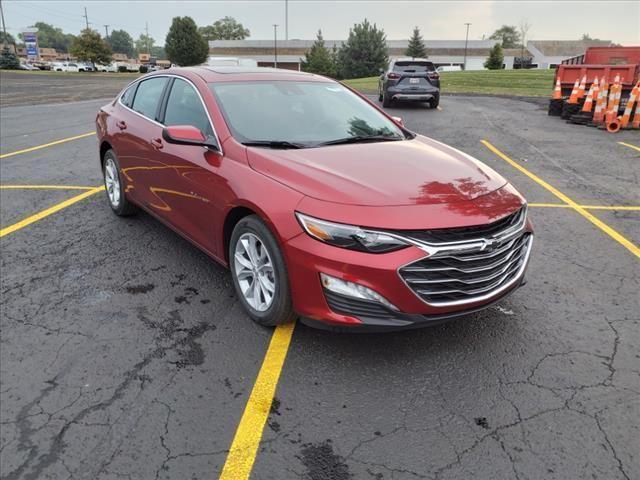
<point x="305" y="113"/>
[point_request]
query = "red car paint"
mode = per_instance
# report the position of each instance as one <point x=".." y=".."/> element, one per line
<point x="406" y="185"/>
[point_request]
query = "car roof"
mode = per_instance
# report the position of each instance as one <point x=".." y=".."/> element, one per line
<point x="229" y="73"/>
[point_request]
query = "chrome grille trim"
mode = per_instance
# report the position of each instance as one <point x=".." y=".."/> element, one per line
<point x="458" y="273"/>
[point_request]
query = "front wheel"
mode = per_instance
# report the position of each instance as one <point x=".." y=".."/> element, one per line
<point x="259" y="273"/>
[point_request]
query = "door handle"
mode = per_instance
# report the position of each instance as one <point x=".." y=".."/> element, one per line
<point x="156" y="143"/>
<point x="121" y="125"/>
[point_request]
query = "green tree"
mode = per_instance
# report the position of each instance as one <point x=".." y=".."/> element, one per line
<point x="121" y="42"/>
<point x="496" y="58"/>
<point x="416" y="48"/>
<point x="52" y="37"/>
<point x="184" y="44"/>
<point x="144" y="43"/>
<point x="364" y="53"/>
<point x="227" y="28"/>
<point x="159" y="53"/>
<point x="319" y="59"/>
<point x="90" y="47"/>
<point x="508" y="35"/>
<point x="8" y="60"/>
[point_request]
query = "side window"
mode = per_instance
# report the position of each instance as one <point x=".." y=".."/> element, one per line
<point x="127" y="96"/>
<point x="184" y="107"/>
<point x="148" y="96"/>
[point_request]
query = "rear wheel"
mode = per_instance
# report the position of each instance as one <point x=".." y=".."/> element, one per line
<point x="114" y="186"/>
<point x="434" y="102"/>
<point x="259" y="273"/>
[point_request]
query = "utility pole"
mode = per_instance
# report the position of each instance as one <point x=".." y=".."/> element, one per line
<point x="106" y="31"/>
<point x="4" y="29"/>
<point x="275" y="45"/>
<point x="86" y="18"/>
<point x="286" y="19"/>
<point x="146" y="29"/>
<point x="466" y="41"/>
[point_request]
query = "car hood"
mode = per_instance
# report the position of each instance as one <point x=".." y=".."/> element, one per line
<point x="410" y="172"/>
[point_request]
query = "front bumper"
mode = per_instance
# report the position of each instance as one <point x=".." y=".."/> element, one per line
<point x="307" y="257"/>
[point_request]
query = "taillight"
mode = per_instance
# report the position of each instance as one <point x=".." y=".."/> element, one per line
<point x="393" y="76"/>
<point x="433" y="75"/>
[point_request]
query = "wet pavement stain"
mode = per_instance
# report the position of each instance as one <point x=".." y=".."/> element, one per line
<point x="138" y="289"/>
<point x="323" y="463"/>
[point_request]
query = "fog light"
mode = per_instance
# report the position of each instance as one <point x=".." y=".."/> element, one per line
<point x="354" y="290"/>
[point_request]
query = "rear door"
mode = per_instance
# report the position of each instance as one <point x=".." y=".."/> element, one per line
<point x="415" y="75"/>
<point x="142" y="135"/>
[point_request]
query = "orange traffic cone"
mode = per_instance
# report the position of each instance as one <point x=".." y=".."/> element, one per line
<point x="573" y="98"/>
<point x="582" y="87"/>
<point x="601" y="105"/>
<point x="557" y="91"/>
<point x="611" y="117"/>
<point x="588" y="103"/>
<point x="636" y="116"/>
<point x="633" y="98"/>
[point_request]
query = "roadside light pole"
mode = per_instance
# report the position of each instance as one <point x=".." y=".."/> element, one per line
<point x="275" y="45"/>
<point x="466" y="41"/>
<point x="286" y="19"/>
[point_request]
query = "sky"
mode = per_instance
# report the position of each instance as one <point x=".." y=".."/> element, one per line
<point x="618" y="21"/>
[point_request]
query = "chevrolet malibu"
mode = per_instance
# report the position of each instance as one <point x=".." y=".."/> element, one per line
<point x="321" y="205"/>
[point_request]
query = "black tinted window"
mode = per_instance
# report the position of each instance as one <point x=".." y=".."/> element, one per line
<point x="413" y="67"/>
<point x="127" y="96"/>
<point x="148" y="96"/>
<point x="185" y="108"/>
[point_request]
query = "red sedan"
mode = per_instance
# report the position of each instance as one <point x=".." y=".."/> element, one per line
<point x="321" y="205"/>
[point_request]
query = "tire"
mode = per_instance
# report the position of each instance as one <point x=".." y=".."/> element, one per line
<point x="434" y="102"/>
<point x="386" y="102"/>
<point x="380" y="97"/>
<point x="113" y="184"/>
<point x="279" y="309"/>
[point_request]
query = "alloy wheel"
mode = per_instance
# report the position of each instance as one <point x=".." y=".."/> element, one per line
<point x="112" y="182"/>
<point x="254" y="272"/>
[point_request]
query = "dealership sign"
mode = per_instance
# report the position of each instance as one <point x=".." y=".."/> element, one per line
<point x="31" y="44"/>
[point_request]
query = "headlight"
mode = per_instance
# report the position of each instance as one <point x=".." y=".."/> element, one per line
<point x="349" y="236"/>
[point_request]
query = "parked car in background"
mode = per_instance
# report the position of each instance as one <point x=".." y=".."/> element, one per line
<point x="112" y="67"/>
<point x="409" y="80"/>
<point x="86" y="67"/>
<point x="321" y="204"/>
<point x="27" y="66"/>
<point x="449" y="68"/>
<point x="65" y="67"/>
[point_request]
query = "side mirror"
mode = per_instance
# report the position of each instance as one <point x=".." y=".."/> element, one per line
<point x="188" y="135"/>
<point x="399" y="121"/>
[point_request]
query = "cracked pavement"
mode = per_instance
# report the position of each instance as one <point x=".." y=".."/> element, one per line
<point x="124" y="354"/>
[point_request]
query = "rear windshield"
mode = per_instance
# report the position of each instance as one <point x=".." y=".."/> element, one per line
<point x="410" y="67"/>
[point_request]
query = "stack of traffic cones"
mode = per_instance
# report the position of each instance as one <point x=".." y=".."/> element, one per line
<point x="633" y="100"/>
<point x="611" y="122"/>
<point x="601" y="103"/>
<point x="586" y="114"/>
<point x="572" y="106"/>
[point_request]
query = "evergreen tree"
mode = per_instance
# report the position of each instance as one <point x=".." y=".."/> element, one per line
<point x="184" y="45"/>
<point x="8" y="60"/>
<point x="319" y="59"/>
<point x="496" y="58"/>
<point x="416" y="48"/>
<point x="364" y="53"/>
<point x="90" y="47"/>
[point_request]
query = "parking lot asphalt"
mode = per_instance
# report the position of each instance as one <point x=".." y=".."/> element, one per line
<point x="124" y="353"/>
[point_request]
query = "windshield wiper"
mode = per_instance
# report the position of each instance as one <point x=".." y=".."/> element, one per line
<point x="362" y="139"/>
<point x="273" y="144"/>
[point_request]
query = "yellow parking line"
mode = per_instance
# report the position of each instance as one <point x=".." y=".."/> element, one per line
<point x="630" y="146"/>
<point x="44" y="187"/>
<point x="49" y="211"/>
<point x="581" y="210"/>
<point x="244" y="447"/>
<point x="50" y="144"/>
<point x="587" y="207"/>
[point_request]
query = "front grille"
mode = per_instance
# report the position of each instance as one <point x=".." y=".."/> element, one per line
<point x="443" y="235"/>
<point x="464" y="275"/>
